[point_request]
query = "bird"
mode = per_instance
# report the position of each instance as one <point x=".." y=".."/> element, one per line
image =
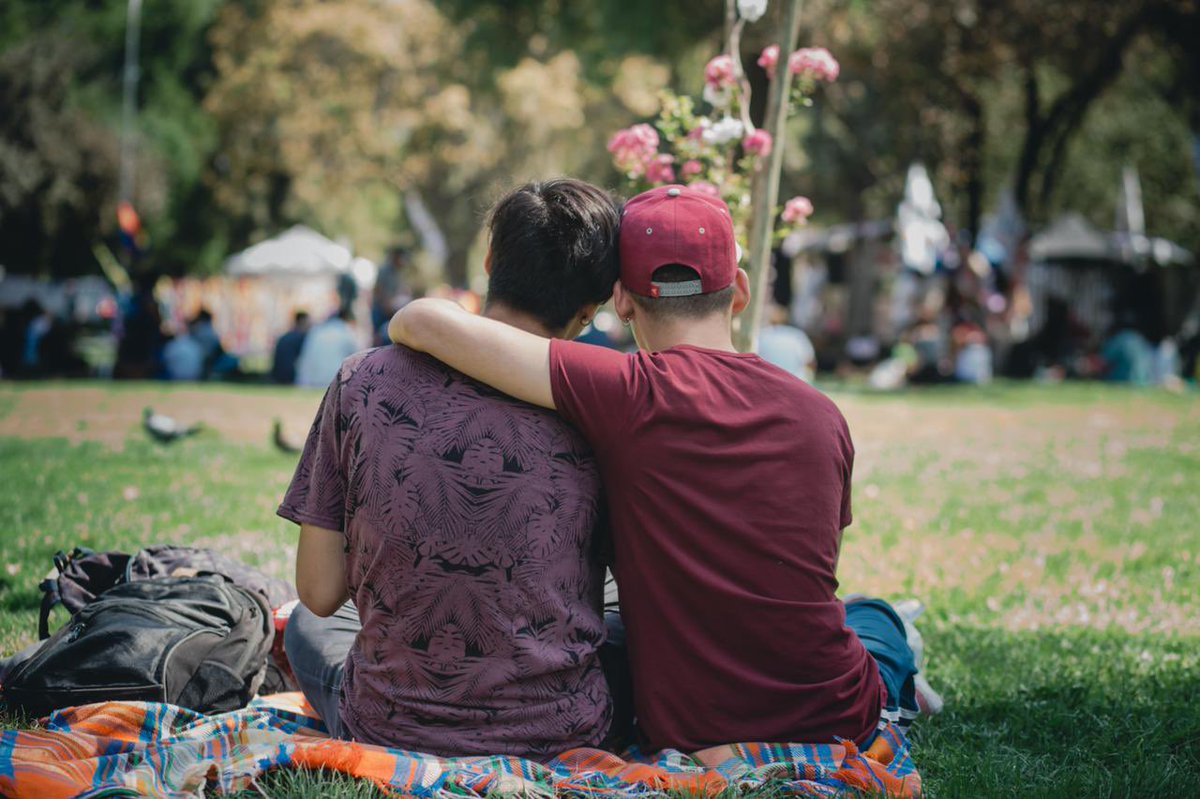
<point x="166" y="430"/>
<point x="281" y="443"/>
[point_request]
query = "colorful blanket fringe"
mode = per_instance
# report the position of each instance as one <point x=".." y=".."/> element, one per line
<point x="147" y="749"/>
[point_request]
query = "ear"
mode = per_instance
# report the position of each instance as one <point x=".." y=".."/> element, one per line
<point x="622" y="302"/>
<point x="487" y="263"/>
<point x="587" y="313"/>
<point x="741" y="291"/>
<point x="579" y="322"/>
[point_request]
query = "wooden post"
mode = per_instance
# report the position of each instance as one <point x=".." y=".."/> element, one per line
<point x="764" y="194"/>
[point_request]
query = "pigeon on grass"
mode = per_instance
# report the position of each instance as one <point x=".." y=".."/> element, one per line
<point x="166" y="430"/>
<point x="281" y="443"/>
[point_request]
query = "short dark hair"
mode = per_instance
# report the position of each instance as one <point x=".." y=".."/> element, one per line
<point x="554" y="249"/>
<point x="695" y="306"/>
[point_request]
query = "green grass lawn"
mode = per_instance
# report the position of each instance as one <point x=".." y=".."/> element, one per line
<point x="1053" y="532"/>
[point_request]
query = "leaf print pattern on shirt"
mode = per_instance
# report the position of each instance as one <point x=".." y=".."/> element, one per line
<point x="469" y="520"/>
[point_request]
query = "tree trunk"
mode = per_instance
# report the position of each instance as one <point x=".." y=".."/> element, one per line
<point x="972" y="161"/>
<point x="1053" y="130"/>
<point x="1031" y="147"/>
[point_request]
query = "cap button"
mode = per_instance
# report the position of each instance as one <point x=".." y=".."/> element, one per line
<point x="672" y="192"/>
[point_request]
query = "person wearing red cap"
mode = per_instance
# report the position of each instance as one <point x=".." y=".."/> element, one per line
<point x="728" y="483"/>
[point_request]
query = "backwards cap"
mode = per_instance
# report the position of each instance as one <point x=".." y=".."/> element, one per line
<point x="677" y="225"/>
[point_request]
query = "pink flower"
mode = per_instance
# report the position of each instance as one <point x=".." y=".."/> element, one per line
<point x="758" y="143"/>
<point x="814" y="62"/>
<point x="659" y="169"/>
<point x="633" y="148"/>
<point x="797" y="211"/>
<point x="692" y="168"/>
<point x="768" y="60"/>
<point x="704" y="187"/>
<point x="720" y="72"/>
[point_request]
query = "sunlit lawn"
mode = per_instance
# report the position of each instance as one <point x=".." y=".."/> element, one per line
<point x="1054" y="533"/>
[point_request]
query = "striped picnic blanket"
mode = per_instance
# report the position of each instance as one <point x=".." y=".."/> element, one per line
<point x="142" y="748"/>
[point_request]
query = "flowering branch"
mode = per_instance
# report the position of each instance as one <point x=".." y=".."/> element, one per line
<point x="722" y="152"/>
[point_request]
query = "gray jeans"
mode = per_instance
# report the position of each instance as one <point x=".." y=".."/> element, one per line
<point x="317" y="649"/>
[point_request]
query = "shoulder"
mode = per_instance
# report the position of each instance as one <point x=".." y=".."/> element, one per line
<point x="398" y="363"/>
<point x="780" y="385"/>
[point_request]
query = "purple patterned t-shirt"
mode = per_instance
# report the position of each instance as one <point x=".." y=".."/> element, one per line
<point x="469" y="521"/>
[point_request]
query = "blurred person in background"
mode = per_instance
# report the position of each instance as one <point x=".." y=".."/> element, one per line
<point x="391" y="292"/>
<point x="972" y="355"/>
<point x="786" y="345"/>
<point x="10" y="342"/>
<point x="40" y="322"/>
<point x="183" y="357"/>
<point x="37" y="343"/>
<point x="141" y="338"/>
<point x="202" y="329"/>
<point x="287" y="350"/>
<point x="218" y="363"/>
<point x="324" y="349"/>
<point x="1128" y="356"/>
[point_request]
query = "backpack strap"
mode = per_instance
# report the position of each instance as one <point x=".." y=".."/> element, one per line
<point x="50" y="598"/>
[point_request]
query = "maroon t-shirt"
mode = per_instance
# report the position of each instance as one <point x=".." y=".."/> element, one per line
<point x="729" y="484"/>
<point x="469" y="521"/>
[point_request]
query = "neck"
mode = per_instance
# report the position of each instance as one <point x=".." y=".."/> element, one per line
<point x="712" y="333"/>
<point x="499" y="312"/>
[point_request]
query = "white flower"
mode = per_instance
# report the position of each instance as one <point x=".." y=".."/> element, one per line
<point x="717" y="98"/>
<point x="752" y="10"/>
<point x="723" y="131"/>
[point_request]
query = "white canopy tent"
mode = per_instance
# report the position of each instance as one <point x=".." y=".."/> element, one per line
<point x="1071" y="238"/>
<point x="301" y="252"/>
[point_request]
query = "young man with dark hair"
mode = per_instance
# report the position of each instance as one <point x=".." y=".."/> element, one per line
<point x="460" y="523"/>
<point x="729" y="487"/>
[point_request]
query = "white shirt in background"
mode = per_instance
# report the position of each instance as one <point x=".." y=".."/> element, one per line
<point x="789" y="348"/>
<point x="325" y="347"/>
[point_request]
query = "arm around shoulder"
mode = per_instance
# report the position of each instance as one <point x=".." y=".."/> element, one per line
<point x="511" y="360"/>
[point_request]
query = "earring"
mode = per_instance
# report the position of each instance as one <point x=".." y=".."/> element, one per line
<point x="627" y="320"/>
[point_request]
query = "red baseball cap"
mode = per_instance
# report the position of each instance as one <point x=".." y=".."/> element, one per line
<point x="677" y="225"/>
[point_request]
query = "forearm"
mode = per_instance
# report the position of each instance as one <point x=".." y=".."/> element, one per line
<point x="511" y="360"/>
<point x="321" y="570"/>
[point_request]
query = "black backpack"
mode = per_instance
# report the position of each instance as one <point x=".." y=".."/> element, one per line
<point x="198" y="642"/>
<point x="84" y="575"/>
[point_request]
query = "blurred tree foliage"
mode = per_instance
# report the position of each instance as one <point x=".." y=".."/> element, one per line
<point x="60" y="73"/>
<point x="259" y="114"/>
<point x="332" y="111"/>
<point x="1050" y="101"/>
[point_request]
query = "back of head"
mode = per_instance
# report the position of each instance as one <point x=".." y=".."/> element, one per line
<point x="553" y="249"/>
<point x="679" y="254"/>
<point x="688" y="306"/>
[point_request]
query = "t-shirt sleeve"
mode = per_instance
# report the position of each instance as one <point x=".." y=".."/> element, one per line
<point x="593" y="388"/>
<point x="317" y="494"/>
